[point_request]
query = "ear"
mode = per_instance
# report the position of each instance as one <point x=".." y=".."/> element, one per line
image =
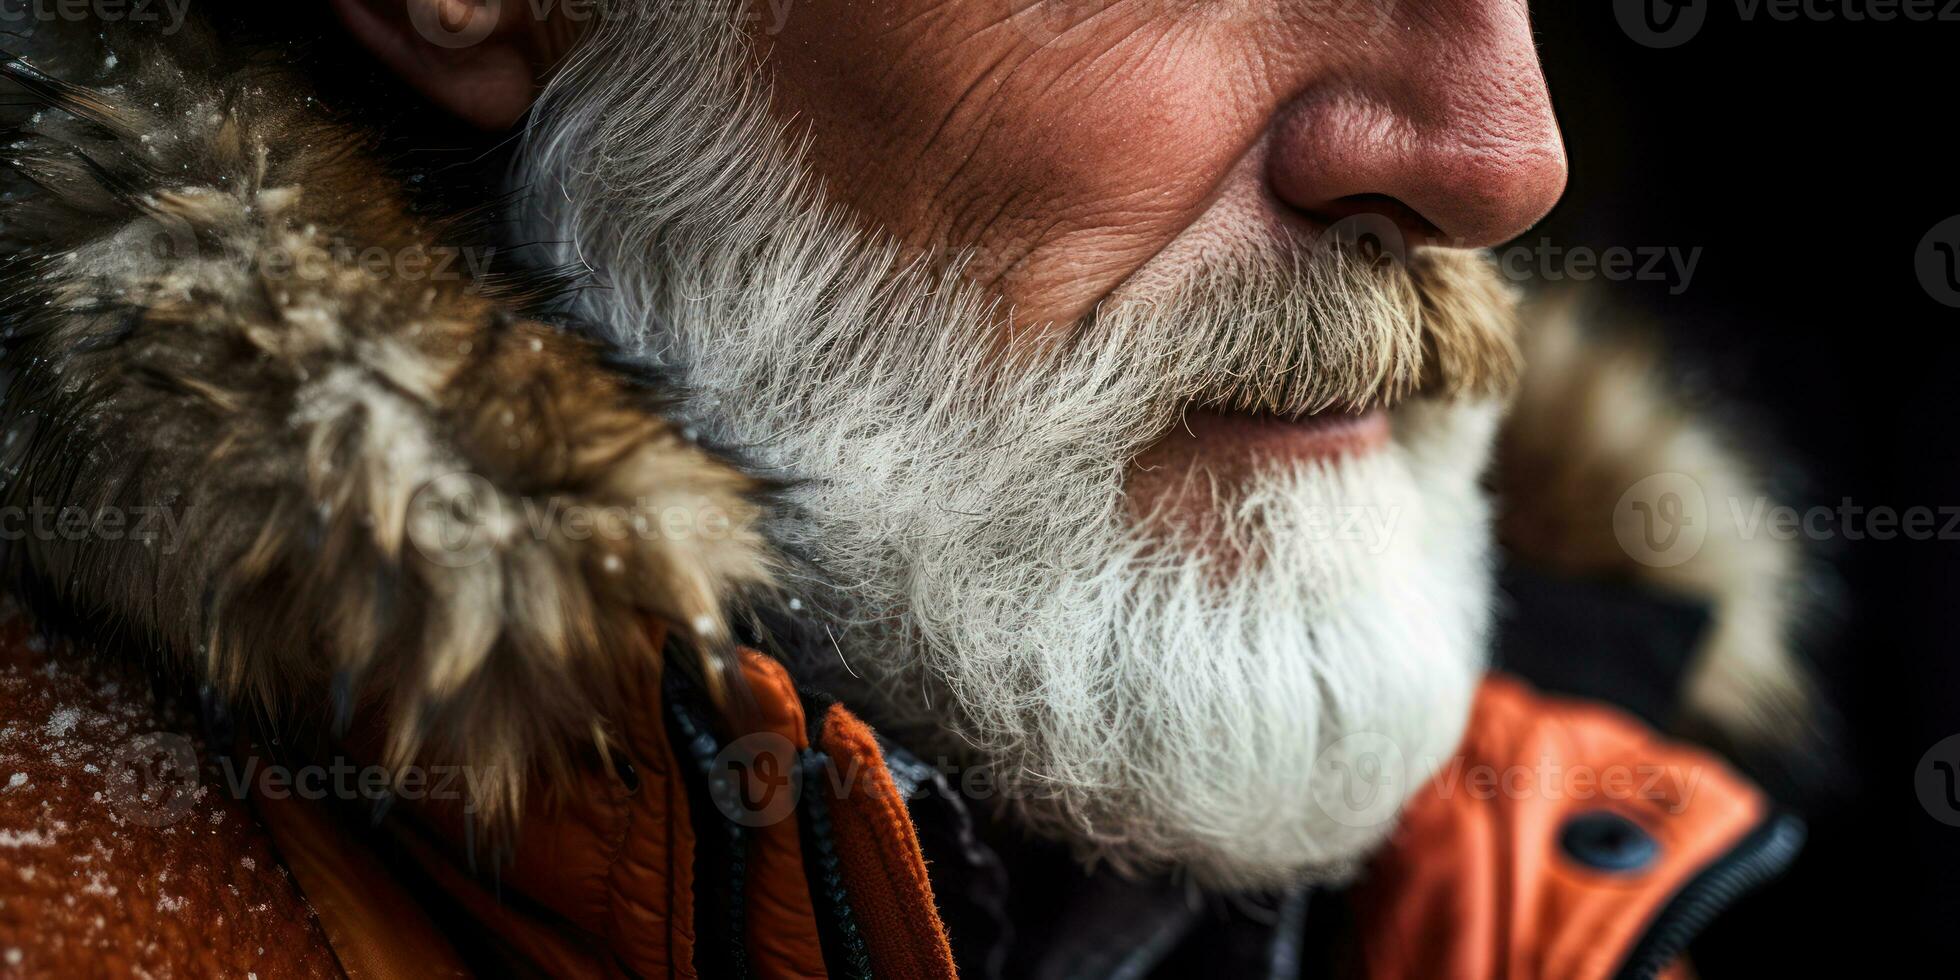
<point x="482" y="60"/>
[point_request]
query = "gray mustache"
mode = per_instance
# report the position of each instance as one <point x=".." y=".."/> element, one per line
<point x="1331" y="329"/>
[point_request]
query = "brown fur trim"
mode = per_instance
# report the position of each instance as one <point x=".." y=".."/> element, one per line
<point x="1595" y="449"/>
<point x="365" y="477"/>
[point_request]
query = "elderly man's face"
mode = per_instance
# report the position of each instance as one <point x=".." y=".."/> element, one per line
<point x="1108" y="471"/>
<point x="1075" y="149"/>
<point x="1079" y="143"/>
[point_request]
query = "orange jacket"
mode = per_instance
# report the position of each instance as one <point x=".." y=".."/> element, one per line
<point x="1563" y="841"/>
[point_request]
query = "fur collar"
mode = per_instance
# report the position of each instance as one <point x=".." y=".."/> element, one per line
<point x="384" y="487"/>
<point x="1604" y="471"/>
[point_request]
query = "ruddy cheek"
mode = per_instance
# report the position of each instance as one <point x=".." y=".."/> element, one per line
<point x="1092" y="191"/>
<point x="1054" y="167"/>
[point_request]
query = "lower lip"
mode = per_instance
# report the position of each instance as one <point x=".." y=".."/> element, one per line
<point x="1185" y="480"/>
<point x="1321" y="436"/>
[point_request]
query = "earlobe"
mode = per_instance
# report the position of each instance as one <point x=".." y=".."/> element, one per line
<point x="483" y="63"/>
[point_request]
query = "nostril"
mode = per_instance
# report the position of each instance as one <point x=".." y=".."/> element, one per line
<point x="1467" y="158"/>
<point x="1417" y="229"/>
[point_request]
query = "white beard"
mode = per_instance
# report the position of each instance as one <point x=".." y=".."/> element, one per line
<point x="1249" y="730"/>
<point x="964" y="514"/>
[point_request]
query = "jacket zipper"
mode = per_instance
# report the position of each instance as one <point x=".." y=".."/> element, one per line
<point x="1765" y="853"/>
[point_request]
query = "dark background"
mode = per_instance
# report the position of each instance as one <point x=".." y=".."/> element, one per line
<point x="1807" y="159"/>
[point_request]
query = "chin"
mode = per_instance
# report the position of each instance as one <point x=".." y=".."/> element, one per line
<point x="1246" y="730"/>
